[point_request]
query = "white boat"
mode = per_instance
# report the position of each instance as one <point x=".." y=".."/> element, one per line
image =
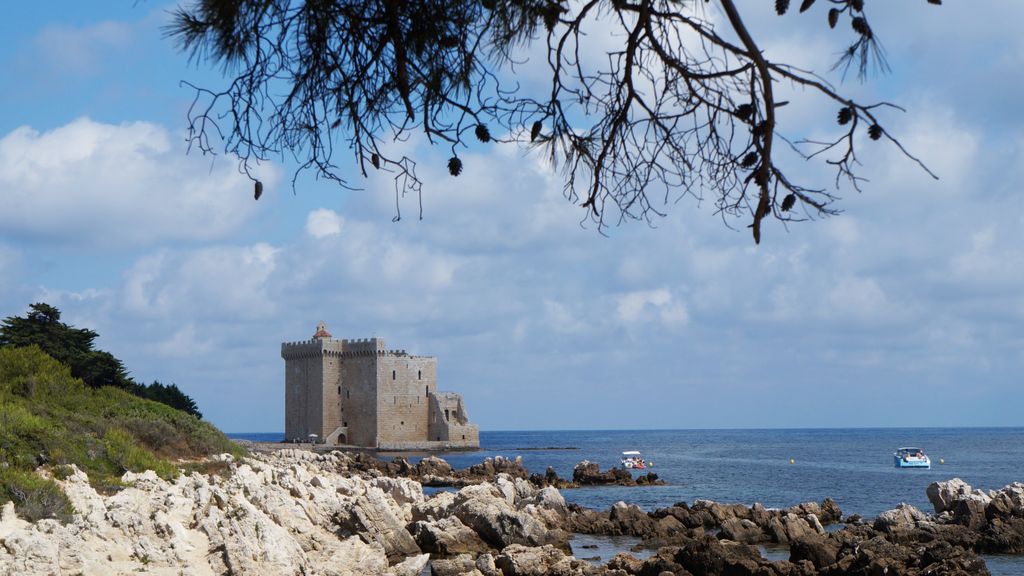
<point x="911" y="458"/>
<point x="633" y="459"/>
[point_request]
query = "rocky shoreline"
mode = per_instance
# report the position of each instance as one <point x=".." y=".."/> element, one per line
<point x="295" y="512"/>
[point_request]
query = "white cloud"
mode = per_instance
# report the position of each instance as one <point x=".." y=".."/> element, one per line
<point x="857" y="298"/>
<point x="560" y="319"/>
<point x="322" y="222"/>
<point x="646" y="305"/>
<point x="94" y="184"/>
<point x="215" y="282"/>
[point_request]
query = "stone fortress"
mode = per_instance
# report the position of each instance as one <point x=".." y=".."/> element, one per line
<point x="359" y="393"/>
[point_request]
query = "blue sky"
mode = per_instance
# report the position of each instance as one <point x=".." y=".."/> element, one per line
<point x="906" y="310"/>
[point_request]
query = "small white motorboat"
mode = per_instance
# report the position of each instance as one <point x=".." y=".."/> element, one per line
<point x="911" y="458"/>
<point x="633" y="459"/>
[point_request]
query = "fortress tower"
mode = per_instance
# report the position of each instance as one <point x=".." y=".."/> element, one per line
<point x="357" y="392"/>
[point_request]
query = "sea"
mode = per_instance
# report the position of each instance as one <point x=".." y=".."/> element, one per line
<point x="776" y="467"/>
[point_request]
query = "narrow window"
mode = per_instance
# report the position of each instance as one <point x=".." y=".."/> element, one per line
<point x="446" y="414"/>
<point x="348" y="393"/>
<point x="339" y="390"/>
<point x="345" y="424"/>
<point x="393" y="373"/>
<point x="463" y="436"/>
<point x="403" y="424"/>
<point x="426" y="391"/>
<point x="419" y="374"/>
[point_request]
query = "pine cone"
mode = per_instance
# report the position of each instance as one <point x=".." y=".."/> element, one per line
<point x="875" y="131"/>
<point x="749" y="160"/>
<point x="454" y="166"/>
<point x="781" y="6"/>
<point x="845" y="115"/>
<point x="535" y="130"/>
<point x="482" y="133"/>
<point x="860" y="25"/>
<point x="788" y="202"/>
<point x="833" y="17"/>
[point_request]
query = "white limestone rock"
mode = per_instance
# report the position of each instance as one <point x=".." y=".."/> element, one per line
<point x="376" y="516"/>
<point x="517" y="560"/>
<point x="436" y="507"/>
<point x="447" y="537"/>
<point x="943" y="495"/>
<point x="274" y="514"/>
<point x="903" y="517"/>
<point x="412" y="566"/>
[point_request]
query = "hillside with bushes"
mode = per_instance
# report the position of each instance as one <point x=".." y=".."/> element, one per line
<point x="51" y="419"/>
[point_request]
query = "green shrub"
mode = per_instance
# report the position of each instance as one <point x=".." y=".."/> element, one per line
<point x="124" y="451"/>
<point x="34" y="497"/>
<point x="49" y="418"/>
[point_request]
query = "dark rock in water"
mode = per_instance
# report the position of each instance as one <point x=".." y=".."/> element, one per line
<point x="1003" y="536"/>
<point x="818" y="550"/>
<point x="660" y="563"/>
<point x="631" y="520"/>
<point x="708" y="555"/>
<point x="627" y="562"/>
<point x="970" y="512"/>
<point x="741" y="530"/>
<point x="433" y="466"/>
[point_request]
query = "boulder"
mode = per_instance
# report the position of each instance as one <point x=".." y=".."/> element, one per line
<point x="903" y="517"/>
<point x="461" y="565"/>
<point x="943" y="495"/>
<point x="406" y="493"/>
<point x="484" y="509"/>
<point x="708" y="555"/>
<point x="412" y="566"/>
<point x="433" y="508"/>
<point x="433" y="466"/>
<point x="517" y="560"/>
<point x="970" y="511"/>
<point x="630" y="519"/>
<point x="819" y="551"/>
<point x="376" y="518"/>
<point x="447" y="537"/>
<point x="719" y="512"/>
<point x="796" y="527"/>
<point x="741" y="530"/>
<point x="485" y="565"/>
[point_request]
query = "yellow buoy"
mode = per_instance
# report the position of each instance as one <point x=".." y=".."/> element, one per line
<point x="791" y="461"/>
<point x="941" y="461"/>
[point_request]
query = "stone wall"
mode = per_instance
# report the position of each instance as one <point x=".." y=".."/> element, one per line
<point x="359" y="406"/>
<point x="360" y="393"/>
<point x="449" y="421"/>
<point x="404" y="387"/>
<point x="303" y="385"/>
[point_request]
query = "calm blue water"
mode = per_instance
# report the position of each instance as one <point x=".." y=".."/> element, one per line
<point x="853" y="466"/>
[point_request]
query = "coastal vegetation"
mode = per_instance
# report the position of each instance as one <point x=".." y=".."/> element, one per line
<point x="74" y="347"/>
<point x="50" y="418"/>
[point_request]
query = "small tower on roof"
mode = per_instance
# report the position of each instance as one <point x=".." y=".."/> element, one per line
<point x="321" y="331"/>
